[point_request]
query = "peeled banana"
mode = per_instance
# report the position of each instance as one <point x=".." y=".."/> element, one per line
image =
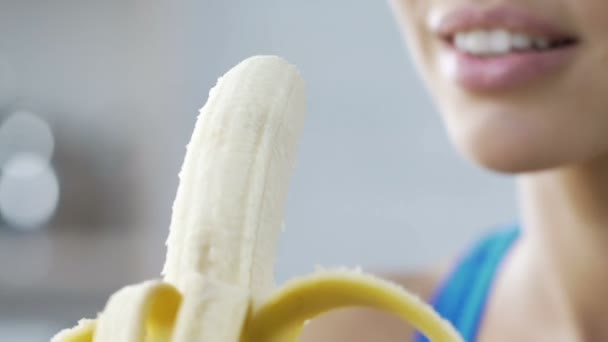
<point x="218" y="281"/>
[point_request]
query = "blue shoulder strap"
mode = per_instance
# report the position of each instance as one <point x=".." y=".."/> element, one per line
<point x="462" y="297"/>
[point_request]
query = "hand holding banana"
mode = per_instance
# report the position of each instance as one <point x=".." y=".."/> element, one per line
<point x="218" y="281"/>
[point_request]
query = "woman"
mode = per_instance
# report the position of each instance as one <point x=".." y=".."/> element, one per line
<point x="522" y="86"/>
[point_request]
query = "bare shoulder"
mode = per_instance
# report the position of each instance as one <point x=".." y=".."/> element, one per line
<point x="366" y="325"/>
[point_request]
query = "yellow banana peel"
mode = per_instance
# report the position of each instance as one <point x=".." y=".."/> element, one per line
<point x="282" y="316"/>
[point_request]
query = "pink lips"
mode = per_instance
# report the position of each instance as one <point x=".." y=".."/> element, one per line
<point x="501" y="72"/>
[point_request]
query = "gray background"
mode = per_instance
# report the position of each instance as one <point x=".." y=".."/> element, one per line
<point x="377" y="183"/>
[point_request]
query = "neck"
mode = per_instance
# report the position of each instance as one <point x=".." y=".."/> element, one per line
<point x="565" y="222"/>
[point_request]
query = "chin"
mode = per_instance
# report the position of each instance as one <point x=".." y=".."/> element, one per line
<point x="508" y="155"/>
<point x="510" y="163"/>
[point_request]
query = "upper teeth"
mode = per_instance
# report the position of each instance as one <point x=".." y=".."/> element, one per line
<point x="499" y="41"/>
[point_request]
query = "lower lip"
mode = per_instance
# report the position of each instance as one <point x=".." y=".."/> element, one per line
<point x="506" y="71"/>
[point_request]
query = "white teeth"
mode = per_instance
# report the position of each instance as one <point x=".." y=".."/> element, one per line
<point x="477" y="42"/>
<point x="460" y="41"/>
<point x="497" y="42"/>
<point x="500" y="41"/>
<point x="521" y="41"/>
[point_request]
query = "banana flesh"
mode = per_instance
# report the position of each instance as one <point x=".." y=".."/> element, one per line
<point x="218" y="281"/>
<point x="211" y="311"/>
<point x="228" y="209"/>
<point x="82" y="332"/>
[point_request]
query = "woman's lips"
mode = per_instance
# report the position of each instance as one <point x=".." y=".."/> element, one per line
<point x="505" y="70"/>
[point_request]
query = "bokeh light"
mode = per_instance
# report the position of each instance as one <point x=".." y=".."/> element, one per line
<point x="25" y="133"/>
<point x="29" y="191"/>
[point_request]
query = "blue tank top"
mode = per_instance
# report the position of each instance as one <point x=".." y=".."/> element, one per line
<point x="462" y="296"/>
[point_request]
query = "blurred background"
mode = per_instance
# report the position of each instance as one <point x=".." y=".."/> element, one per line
<point x="98" y="100"/>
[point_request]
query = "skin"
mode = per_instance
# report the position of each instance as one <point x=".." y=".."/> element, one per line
<point x="552" y="135"/>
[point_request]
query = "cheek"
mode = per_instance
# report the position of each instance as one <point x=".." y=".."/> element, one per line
<point x="591" y="15"/>
<point x="410" y="16"/>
